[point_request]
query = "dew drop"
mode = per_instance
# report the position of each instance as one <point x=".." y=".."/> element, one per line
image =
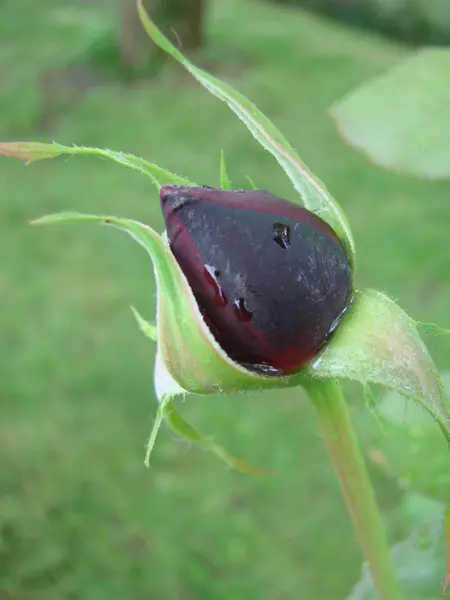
<point x="263" y="369"/>
<point x="241" y="310"/>
<point x="339" y="318"/>
<point x="212" y="277"/>
<point x="282" y="235"/>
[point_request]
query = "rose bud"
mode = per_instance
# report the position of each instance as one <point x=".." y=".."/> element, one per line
<point x="272" y="279"/>
<point x="249" y="285"/>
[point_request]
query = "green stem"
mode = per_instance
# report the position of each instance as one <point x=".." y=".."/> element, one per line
<point x="348" y="464"/>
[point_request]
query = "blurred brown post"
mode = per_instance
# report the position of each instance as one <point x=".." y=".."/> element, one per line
<point x="181" y="20"/>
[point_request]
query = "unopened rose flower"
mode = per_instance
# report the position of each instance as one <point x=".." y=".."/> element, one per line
<point x="272" y="279"/>
<point x="256" y="292"/>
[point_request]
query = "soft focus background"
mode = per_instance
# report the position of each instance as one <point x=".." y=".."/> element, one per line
<point x="80" y="517"/>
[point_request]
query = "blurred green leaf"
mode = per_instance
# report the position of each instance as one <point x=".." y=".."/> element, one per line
<point x="401" y="119"/>
<point x="416" y="509"/>
<point x="411" y="450"/>
<point x="419" y="563"/>
<point x="312" y="191"/>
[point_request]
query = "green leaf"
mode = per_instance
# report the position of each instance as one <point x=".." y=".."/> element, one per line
<point x="32" y="151"/>
<point x="401" y="119"/>
<point x="192" y="356"/>
<point x="411" y="449"/>
<point x="312" y="191"/>
<point x="225" y="182"/>
<point x="419" y="563"/>
<point x="378" y="343"/>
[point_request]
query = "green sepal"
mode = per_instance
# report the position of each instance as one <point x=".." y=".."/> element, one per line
<point x="377" y="342"/>
<point x="166" y="411"/>
<point x="432" y="328"/>
<point x="148" y="329"/>
<point x="32" y="151"/>
<point x="167" y="389"/>
<point x="187" y="431"/>
<point x="188" y="359"/>
<point x="312" y="191"/>
<point x="225" y="182"/>
<point x="192" y="356"/>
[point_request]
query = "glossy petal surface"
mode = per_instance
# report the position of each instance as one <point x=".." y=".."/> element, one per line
<point x="271" y="278"/>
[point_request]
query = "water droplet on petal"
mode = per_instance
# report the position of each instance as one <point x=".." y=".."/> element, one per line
<point x="212" y="277"/>
<point x="283" y="307"/>
<point x="264" y="369"/>
<point x="282" y="235"/>
<point x="340" y="317"/>
<point x="241" y="310"/>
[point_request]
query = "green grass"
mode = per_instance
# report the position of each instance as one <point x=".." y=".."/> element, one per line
<point x="80" y="517"/>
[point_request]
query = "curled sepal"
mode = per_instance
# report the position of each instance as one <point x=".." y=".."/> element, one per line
<point x="378" y="343"/>
<point x="32" y="151"/>
<point x="192" y="356"/>
<point x="166" y="390"/>
<point x="313" y="193"/>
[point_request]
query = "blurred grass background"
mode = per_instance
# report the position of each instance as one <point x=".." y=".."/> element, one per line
<point x="80" y="517"/>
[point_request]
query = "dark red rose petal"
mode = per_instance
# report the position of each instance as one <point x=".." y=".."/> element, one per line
<point x="271" y="278"/>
